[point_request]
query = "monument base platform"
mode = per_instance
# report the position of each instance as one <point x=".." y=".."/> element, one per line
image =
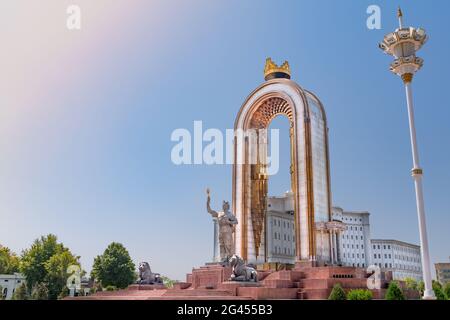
<point x="156" y="286"/>
<point x="211" y="282"/>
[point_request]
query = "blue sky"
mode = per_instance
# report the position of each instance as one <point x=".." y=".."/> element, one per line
<point x="86" y="117"/>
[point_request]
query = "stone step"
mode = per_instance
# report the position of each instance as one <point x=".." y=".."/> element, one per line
<point x="316" y="294"/>
<point x="314" y="284"/>
<point x="264" y="293"/>
<point x="278" y="283"/>
<point x="301" y="295"/>
<point x="200" y="298"/>
<point x="131" y="293"/>
<point x="198" y="292"/>
<point x="292" y="275"/>
<point x="329" y="283"/>
<point x="128" y="297"/>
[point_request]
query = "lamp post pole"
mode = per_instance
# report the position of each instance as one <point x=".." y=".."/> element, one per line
<point x="403" y="44"/>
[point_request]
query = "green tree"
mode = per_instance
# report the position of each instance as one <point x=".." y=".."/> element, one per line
<point x="411" y="284"/>
<point x="46" y="263"/>
<point x="20" y="293"/>
<point x="1" y="293"/>
<point x="64" y="293"/>
<point x="56" y="268"/>
<point x="114" y="267"/>
<point x="337" y="293"/>
<point x="438" y="292"/>
<point x="9" y="262"/>
<point x="394" y="292"/>
<point x="111" y="288"/>
<point x="359" y="294"/>
<point x="39" y="292"/>
<point x="421" y="288"/>
<point x="446" y="290"/>
<point x="168" y="282"/>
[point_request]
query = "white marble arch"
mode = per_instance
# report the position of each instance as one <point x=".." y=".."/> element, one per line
<point x="307" y="206"/>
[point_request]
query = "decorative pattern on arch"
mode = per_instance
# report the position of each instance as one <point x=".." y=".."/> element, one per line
<point x="268" y="110"/>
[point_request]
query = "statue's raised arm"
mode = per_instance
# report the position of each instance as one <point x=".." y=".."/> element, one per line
<point x="213" y="213"/>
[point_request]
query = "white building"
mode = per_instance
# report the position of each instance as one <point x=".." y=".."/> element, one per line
<point x="9" y="283"/>
<point x="402" y="258"/>
<point x="354" y="242"/>
<point x="280" y="229"/>
<point x="442" y="272"/>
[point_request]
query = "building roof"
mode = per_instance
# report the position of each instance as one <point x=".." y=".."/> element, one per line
<point x="12" y="276"/>
<point x="397" y="242"/>
<point x="442" y="264"/>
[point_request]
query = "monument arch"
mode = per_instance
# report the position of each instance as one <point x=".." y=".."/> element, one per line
<point x="310" y="177"/>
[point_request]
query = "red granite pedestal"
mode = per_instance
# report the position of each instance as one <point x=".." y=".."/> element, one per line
<point x="211" y="281"/>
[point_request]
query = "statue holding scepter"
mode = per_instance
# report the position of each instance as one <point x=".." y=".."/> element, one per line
<point x="227" y="222"/>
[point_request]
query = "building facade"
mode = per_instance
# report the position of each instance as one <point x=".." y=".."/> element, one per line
<point x="442" y="272"/>
<point x="350" y="234"/>
<point x="402" y="258"/>
<point x="354" y="241"/>
<point x="280" y="229"/>
<point x="9" y="283"/>
<point x="350" y="241"/>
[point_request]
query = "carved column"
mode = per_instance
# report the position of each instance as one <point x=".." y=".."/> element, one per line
<point x="338" y="247"/>
<point x="216" y="249"/>
<point x="334" y="246"/>
<point x="331" y="246"/>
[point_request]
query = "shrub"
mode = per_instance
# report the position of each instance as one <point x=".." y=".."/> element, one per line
<point x="39" y="292"/>
<point x="421" y="288"/>
<point x="394" y="292"/>
<point x="438" y="292"/>
<point x="20" y="293"/>
<point x="337" y="293"/>
<point x="96" y="287"/>
<point x="111" y="288"/>
<point x="359" y="294"/>
<point x="411" y="284"/>
<point x="446" y="290"/>
<point x="64" y="293"/>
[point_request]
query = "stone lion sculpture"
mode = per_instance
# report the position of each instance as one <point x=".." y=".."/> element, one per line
<point x="240" y="271"/>
<point x="146" y="276"/>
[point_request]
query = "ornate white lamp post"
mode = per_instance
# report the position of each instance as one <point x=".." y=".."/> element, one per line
<point x="403" y="44"/>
